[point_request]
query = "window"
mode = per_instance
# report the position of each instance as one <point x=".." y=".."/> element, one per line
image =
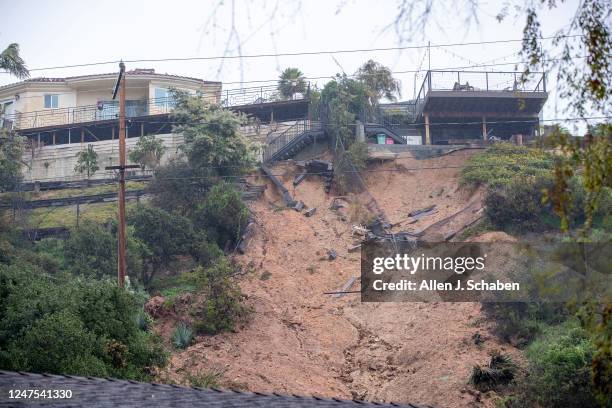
<point x="161" y="97"/>
<point x="51" y="101"/>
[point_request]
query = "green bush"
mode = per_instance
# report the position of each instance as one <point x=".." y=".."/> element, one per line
<point x="165" y="236"/>
<point x="500" y="371"/>
<point x="222" y="305"/>
<point x="182" y="336"/>
<point x="501" y="163"/>
<point x="71" y="326"/>
<point x="518" y="205"/>
<point x="91" y="251"/>
<point x="560" y="368"/>
<point x="222" y="215"/>
<point x="520" y="322"/>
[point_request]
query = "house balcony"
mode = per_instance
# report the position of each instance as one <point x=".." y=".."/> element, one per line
<point x="479" y="94"/>
<point x="243" y="99"/>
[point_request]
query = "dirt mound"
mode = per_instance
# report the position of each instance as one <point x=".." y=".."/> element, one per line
<point x="303" y="341"/>
<point x="493" y="236"/>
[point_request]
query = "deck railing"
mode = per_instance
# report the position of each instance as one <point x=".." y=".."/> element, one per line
<point x="109" y="110"/>
<point x="286" y="137"/>
<point x="474" y="81"/>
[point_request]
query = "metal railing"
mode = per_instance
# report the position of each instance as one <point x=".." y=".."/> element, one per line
<point x="290" y="134"/>
<point x="109" y="110"/>
<point x="473" y="81"/>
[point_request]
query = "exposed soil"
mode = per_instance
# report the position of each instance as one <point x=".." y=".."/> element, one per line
<point x="301" y="341"/>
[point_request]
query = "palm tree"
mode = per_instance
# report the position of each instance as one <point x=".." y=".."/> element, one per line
<point x="290" y="82"/>
<point x="11" y="62"/>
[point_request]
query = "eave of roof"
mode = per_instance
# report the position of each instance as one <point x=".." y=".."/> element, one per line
<point x="101" y="393"/>
<point x="143" y="74"/>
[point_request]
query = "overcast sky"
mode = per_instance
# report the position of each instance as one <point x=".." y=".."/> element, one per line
<point x="52" y="33"/>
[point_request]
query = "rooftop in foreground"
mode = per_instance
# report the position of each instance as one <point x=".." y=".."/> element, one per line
<point x="101" y="393"/>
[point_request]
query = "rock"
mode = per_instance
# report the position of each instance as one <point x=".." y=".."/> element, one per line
<point x="310" y="212"/>
<point x="299" y="206"/>
<point x="331" y="255"/>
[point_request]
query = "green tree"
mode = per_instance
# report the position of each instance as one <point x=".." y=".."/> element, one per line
<point x="222" y="306"/>
<point x="11" y="150"/>
<point x="214" y="145"/>
<point x="379" y="83"/>
<point x="147" y="152"/>
<point x="11" y="62"/>
<point x="343" y="100"/>
<point x="222" y="214"/>
<point x="165" y="235"/>
<point x="87" y="162"/>
<point x="291" y="81"/>
<point x="91" y="251"/>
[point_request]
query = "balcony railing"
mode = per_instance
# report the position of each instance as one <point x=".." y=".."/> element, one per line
<point x="473" y="81"/>
<point x="109" y="110"/>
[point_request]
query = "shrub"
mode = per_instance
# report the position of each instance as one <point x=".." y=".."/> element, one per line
<point x="520" y="322"/>
<point x="519" y="205"/>
<point x="71" y="326"/>
<point x="165" y="235"/>
<point x="560" y="365"/>
<point x="175" y="188"/>
<point x="501" y="163"/>
<point x="222" y="215"/>
<point x="182" y="336"/>
<point x="147" y="152"/>
<point x="222" y="305"/>
<point x="204" y="379"/>
<point x="144" y="321"/>
<point x="91" y="251"/>
<point x="500" y="371"/>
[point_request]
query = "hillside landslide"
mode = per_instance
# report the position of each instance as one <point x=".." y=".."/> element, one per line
<point x="301" y="341"/>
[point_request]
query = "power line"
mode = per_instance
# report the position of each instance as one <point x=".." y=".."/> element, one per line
<point x="483" y="65"/>
<point x="293" y="54"/>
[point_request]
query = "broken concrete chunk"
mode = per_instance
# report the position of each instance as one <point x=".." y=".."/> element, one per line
<point x="310" y="212"/>
<point x="331" y="255"/>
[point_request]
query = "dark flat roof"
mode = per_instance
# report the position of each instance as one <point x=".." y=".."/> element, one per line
<point x="102" y="393"/>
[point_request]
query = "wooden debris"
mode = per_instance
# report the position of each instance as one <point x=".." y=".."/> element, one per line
<point x="345" y="287"/>
<point x="360" y="230"/>
<point x="354" y="248"/>
<point x="299" y="178"/>
<point x="289" y="201"/>
<point x="421" y="210"/>
<point x="246" y="236"/>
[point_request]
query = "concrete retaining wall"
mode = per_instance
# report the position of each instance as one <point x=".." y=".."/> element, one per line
<point x="54" y="163"/>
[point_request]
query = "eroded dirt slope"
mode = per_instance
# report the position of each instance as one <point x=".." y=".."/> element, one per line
<point x="301" y="341"/>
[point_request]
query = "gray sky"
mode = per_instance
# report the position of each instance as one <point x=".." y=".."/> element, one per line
<point x="52" y="33"/>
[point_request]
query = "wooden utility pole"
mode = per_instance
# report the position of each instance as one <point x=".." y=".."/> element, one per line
<point x="121" y="229"/>
<point x="120" y="89"/>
